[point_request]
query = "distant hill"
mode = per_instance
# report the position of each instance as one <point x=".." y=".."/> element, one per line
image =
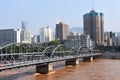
<point x="77" y="29"/>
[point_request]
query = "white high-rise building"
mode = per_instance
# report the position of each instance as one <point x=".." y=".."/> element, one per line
<point x="23" y="35"/>
<point x="45" y="34"/>
<point x="18" y="36"/>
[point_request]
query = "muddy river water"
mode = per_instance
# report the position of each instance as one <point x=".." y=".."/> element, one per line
<point x="100" y="69"/>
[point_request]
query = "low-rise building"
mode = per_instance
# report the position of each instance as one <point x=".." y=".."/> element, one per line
<point x="79" y="41"/>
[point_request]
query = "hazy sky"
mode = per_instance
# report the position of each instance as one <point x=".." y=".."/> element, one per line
<point x="40" y="13"/>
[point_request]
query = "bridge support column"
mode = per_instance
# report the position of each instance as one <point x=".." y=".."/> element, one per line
<point x="73" y="62"/>
<point x="44" y="68"/>
<point x="91" y="58"/>
<point x="85" y="59"/>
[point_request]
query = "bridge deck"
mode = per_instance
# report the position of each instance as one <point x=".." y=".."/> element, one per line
<point x="43" y="61"/>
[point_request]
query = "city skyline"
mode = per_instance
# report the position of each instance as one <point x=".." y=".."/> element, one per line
<point x="40" y="13"/>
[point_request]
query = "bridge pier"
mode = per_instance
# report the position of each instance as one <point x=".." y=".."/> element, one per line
<point x="73" y="62"/>
<point x="85" y="59"/>
<point x="44" y="68"/>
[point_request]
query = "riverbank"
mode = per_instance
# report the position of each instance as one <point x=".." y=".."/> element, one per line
<point x="110" y="55"/>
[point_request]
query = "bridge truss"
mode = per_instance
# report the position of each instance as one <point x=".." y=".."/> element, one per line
<point x="26" y="54"/>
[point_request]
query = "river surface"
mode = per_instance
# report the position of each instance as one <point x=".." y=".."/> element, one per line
<point x="101" y="69"/>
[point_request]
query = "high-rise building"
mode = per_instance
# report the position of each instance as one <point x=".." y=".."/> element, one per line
<point x="110" y="38"/>
<point x="23" y="24"/>
<point x="94" y="26"/>
<point x="7" y="36"/>
<point x="45" y="34"/>
<point x="62" y="31"/>
<point x="117" y="34"/>
<point x="18" y="36"/>
<point x="109" y="34"/>
<point x="23" y="34"/>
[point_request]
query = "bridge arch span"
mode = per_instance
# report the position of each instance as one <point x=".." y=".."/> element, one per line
<point x="83" y="49"/>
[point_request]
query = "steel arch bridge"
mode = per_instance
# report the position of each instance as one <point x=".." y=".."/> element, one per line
<point x="20" y="55"/>
<point x="11" y="59"/>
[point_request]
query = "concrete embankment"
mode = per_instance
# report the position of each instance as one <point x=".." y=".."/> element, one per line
<point x="111" y="55"/>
